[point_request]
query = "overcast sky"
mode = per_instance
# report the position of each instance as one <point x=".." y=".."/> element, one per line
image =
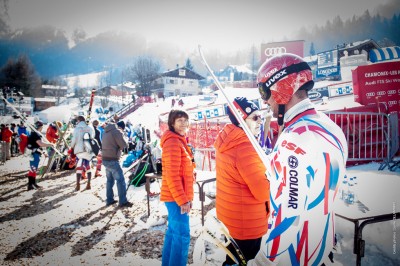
<point x="223" y="24"/>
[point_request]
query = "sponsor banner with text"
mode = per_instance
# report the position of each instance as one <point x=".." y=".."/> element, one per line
<point x="378" y="83"/>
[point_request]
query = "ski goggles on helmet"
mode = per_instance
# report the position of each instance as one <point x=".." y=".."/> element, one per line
<point x="265" y="87"/>
<point x="264" y="91"/>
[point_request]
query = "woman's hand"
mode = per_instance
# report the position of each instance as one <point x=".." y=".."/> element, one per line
<point x="185" y="208"/>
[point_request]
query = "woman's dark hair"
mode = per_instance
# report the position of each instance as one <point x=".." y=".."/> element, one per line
<point x="173" y="115"/>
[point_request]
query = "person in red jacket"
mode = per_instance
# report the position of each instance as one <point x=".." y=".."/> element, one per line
<point x="6" y="136"/>
<point x="52" y="135"/>
<point x="177" y="188"/>
<point x="242" y="187"/>
<point x="52" y="132"/>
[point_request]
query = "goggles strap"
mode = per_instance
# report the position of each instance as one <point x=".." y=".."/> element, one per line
<point x="281" y="114"/>
<point x="295" y="68"/>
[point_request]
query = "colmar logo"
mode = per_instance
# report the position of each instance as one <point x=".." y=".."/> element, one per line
<point x="293" y="189"/>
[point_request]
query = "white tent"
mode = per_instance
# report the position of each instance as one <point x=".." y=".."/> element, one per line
<point x="55" y="113"/>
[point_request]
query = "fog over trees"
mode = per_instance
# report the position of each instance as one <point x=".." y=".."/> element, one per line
<point x="52" y="53"/>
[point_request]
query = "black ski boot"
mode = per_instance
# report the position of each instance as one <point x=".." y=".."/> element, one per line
<point x="78" y="180"/>
<point x="34" y="183"/>
<point x="30" y="183"/>
<point x="89" y="177"/>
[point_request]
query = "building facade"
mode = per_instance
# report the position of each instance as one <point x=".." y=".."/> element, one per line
<point x="181" y="81"/>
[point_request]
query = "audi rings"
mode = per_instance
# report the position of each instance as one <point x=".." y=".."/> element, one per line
<point x="274" y="51"/>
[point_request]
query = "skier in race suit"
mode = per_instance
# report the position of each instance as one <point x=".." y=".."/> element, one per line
<point x="307" y="164"/>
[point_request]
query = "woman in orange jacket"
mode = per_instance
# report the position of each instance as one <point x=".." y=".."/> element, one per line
<point x="242" y="187"/>
<point x="177" y="188"/>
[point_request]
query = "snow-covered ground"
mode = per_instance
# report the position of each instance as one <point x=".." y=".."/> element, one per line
<point x="57" y="226"/>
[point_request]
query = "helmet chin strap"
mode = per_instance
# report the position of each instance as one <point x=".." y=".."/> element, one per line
<point x="281" y="114"/>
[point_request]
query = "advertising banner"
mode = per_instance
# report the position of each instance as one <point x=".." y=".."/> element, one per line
<point x="328" y="64"/>
<point x="378" y="83"/>
<point x="211" y="112"/>
<point x="318" y="93"/>
<point x="270" y="49"/>
<point x="340" y="89"/>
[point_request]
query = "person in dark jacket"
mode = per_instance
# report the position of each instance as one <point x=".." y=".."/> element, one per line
<point x="97" y="136"/>
<point x="113" y="143"/>
<point x="97" y="133"/>
<point x="35" y="140"/>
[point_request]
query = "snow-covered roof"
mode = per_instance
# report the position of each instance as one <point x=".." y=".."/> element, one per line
<point x="45" y="100"/>
<point x="188" y="74"/>
<point x="54" y="87"/>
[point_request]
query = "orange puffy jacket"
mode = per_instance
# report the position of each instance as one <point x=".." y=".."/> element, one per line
<point x="177" y="169"/>
<point x="242" y="187"/>
<point x="52" y="134"/>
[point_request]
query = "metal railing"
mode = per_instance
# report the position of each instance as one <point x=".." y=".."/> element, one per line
<point x="370" y="136"/>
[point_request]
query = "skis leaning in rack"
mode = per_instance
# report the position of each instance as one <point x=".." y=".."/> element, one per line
<point x="25" y="120"/>
<point x="90" y="105"/>
<point x="57" y="145"/>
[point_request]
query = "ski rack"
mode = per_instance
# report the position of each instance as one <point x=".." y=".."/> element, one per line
<point x="57" y="144"/>
<point x="243" y="124"/>
<point x="22" y="117"/>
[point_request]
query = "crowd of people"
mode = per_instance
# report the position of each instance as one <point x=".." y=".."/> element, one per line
<point x="10" y="134"/>
<point x="290" y="200"/>
<point x="46" y="143"/>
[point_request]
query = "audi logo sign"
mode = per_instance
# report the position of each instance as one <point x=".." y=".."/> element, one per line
<point x="274" y="51"/>
<point x="275" y="48"/>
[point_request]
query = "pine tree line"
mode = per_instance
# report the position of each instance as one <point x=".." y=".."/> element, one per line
<point x="386" y="32"/>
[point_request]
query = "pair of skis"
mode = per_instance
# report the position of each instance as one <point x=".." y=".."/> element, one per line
<point x="216" y="232"/>
<point x="89" y="113"/>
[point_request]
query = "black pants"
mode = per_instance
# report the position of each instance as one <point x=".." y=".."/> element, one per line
<point x="248" y="247"/>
